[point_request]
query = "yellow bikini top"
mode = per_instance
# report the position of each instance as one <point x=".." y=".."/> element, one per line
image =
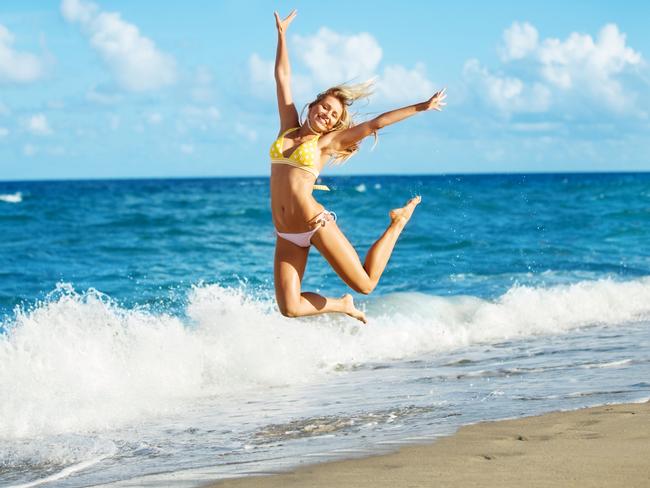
<point x="303" y="157"/>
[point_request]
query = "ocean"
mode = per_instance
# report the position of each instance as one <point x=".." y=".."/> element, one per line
<point x="140" y="344"/>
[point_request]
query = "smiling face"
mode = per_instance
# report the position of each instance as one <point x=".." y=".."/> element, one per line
<point x="325" y="113"/>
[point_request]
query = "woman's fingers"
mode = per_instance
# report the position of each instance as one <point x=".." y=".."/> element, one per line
<point x="283" y="24"/>
<point x="437" y="104"/>
<point x="291" y="15"/>
<point x="436" y="101"/>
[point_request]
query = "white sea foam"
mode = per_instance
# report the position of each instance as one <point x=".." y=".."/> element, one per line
<point x="79" y="362"/>
<point x="11" y="197"/>
<point x="610" y="364"/>
<point x="361" y="188"/>
<point x="72" y="452"/>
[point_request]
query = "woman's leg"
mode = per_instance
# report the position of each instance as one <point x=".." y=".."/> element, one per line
<point x="338" y="251"/>
<point x="289" y="267"/>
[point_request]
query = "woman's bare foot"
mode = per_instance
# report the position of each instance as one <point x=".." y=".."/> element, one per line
<point x="351" y="310"/>
<point x="402" y="215"/>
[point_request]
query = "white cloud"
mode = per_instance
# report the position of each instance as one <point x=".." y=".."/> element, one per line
<point x="187" y="148"/>
<point x="134" y="59"/>
<point x="333" y="58"/>
<point x="399" y="84"/>
<point x="79" y="11"/>
<point x="37" y="124"/>
<point x="507" y="94"/>
<point x="15" y="66"/>
<point x="578" y="65"/>
<point x="580" y="62"/>
<point x="261" y="75"/>
<point x="4" y="132"/>
<point x="520" y="39"/>
<point x="261" y="70"/>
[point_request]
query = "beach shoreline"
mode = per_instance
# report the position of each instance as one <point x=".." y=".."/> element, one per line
<point x="600" y="446"/>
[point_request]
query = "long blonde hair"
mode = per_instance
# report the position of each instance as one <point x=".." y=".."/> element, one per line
<point x="347" y="94"/>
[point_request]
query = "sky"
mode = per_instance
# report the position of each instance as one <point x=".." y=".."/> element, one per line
<point x="132" y="89"/>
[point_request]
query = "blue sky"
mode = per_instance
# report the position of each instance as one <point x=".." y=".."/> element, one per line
<point x="117" y="89"/>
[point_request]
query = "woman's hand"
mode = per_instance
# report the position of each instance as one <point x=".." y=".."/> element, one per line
<point x="436" y="102"/>
<point x="283" y="24"/>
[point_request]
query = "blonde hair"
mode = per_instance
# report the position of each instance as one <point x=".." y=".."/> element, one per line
<point x="347" y="94"/>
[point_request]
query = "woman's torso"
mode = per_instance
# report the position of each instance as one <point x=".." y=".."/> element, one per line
<point x="293" y="174"/>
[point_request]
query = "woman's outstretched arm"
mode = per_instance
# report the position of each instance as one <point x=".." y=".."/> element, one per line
<point x="286" y="107"/>
<point x="339" y="140"/>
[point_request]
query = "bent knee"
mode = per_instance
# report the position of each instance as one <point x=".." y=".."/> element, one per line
<point x="364" y="288"/>
<point x="288" y="310"/>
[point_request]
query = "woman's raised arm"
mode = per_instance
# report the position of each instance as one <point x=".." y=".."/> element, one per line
<point x="286" y="107"/>
<point x="343" y="139"/>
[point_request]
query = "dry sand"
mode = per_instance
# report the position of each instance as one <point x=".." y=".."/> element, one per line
<point x="606" y="446"/>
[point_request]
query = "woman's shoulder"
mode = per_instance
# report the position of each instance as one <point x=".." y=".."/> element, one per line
<point x="326" y="140"/>
<point x="285" y="130"/>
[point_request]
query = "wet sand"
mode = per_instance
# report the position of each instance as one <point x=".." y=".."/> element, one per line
<point x="606" y="446"/>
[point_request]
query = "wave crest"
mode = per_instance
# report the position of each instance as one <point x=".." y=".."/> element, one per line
<point x="79" y="361"/>
<point x="11" y="197"/>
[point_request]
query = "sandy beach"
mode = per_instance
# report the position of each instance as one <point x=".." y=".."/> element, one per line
<point x="607" y="446"/>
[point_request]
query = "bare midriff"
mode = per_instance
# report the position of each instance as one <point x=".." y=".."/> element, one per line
<point x="292" y="205"/>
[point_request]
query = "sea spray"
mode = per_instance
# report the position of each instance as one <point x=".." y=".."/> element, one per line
<point x="79" y="361"/>
<point x="11" y="197"/>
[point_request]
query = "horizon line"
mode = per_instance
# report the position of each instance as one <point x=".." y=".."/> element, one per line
<point x="214" y="177"/>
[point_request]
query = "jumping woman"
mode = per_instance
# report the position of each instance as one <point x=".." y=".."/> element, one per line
<point x="297" y="156"/>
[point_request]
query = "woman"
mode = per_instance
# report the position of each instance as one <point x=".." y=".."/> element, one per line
<point x="297" y="157"/>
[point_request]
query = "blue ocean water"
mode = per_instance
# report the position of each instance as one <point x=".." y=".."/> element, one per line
<point x="139" y="340"/>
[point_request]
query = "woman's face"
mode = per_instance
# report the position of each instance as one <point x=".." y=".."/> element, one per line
<point x="325" y="114"/>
